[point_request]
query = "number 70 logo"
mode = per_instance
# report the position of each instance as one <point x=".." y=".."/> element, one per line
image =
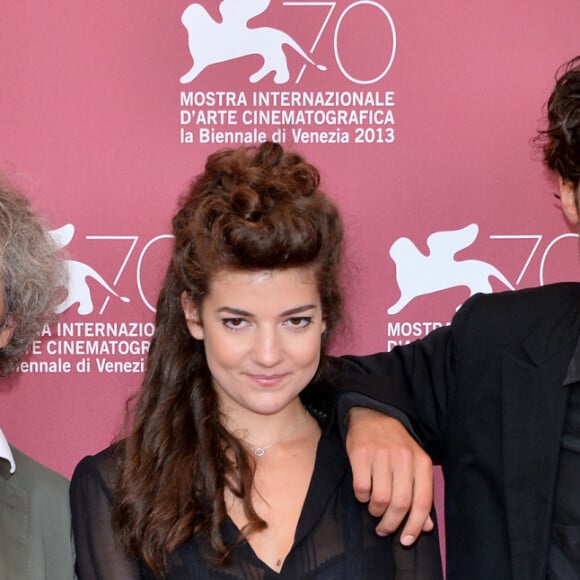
<point x="339" y="24"/>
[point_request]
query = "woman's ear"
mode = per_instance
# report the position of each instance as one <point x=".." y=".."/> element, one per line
<point x="568" y="200"/>
<point x="192" y="317"/>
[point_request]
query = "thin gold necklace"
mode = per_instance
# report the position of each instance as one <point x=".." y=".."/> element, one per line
<point x="259" y="451"/>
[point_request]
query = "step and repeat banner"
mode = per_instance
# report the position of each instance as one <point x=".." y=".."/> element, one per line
<point x="419" y="115"/>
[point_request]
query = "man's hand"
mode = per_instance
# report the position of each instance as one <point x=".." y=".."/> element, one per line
<point x="391" y="472"/>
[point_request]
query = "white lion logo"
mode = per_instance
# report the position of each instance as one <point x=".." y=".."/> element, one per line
<point x="211" y="42"/>
<point x="78" y="291"/>
<point x="419" y="274"/>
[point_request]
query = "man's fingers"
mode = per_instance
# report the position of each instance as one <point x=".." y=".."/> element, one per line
<point x="390" y="472"/>
<point x="401" y="495"/>
<point x="382" y="484"/>
<point x="419" y="517"/>
<point x="362" y="476"/>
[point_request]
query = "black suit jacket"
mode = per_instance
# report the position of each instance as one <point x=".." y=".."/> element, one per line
<point x="489" y="398"/>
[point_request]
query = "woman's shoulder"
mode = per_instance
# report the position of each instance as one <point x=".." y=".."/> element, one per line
<point x="100" y="469"/>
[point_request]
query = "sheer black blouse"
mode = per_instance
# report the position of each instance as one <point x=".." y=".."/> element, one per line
<point x="334" y="539"/>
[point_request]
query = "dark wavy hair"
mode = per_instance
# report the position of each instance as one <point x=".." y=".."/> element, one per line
<point x="252" y="208"/>
<point x="560" y="140"/>
<point x="31" y="274"/>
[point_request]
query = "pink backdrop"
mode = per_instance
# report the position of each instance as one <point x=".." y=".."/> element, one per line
<point x="98" y="129"/>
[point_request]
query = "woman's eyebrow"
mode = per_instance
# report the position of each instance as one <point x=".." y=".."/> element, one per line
<point x="299" y="309"/>
<point x="236" y="311"/>
<point x="290" y="312"/>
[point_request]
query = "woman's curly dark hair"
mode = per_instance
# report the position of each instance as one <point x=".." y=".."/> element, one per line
<point x="251" y="209"/>
<point x="560" y="140"/>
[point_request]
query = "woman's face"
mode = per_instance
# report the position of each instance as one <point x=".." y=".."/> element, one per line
<point x="262" y="332"/>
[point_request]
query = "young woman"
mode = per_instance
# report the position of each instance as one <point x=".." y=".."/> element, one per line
<point x="225" y="474"/>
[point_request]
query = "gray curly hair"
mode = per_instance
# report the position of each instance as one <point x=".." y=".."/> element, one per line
<point x="31" y="274"/>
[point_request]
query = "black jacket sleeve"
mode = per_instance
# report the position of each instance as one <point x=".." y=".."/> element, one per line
<point x="413" y="383"/>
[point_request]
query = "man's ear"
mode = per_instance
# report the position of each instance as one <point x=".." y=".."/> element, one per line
<point x="568" y="200"/>
<point x="192" y="317"/>
<point x="6" y="333"/>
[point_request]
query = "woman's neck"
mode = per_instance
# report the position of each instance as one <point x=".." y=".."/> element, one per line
<point x="261" y="432"/>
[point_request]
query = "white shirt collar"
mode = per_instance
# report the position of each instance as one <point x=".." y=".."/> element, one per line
<point x="6" y="452"/>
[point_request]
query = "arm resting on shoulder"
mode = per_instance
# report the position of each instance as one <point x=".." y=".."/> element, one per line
<point x="405" y="392"/>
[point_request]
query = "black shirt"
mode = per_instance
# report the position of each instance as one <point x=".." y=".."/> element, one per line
<point x="335" y="537"/>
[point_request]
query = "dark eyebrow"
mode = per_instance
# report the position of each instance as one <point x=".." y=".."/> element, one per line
<point x="234" y="311"/>
<point x="299" y="310"/>
<point x="291" y="312"/>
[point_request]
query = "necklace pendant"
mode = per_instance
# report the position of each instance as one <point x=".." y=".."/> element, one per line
<point x="259" y="451"/>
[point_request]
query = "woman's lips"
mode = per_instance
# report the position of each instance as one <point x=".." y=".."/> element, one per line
<point x="268" y="380"/>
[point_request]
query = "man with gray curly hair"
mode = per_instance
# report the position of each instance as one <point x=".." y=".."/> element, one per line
<point x="35" y="531"/>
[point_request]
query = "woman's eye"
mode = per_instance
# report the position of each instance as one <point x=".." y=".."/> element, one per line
<point x="299" y="322"/>
<point x="234" y="323"/>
